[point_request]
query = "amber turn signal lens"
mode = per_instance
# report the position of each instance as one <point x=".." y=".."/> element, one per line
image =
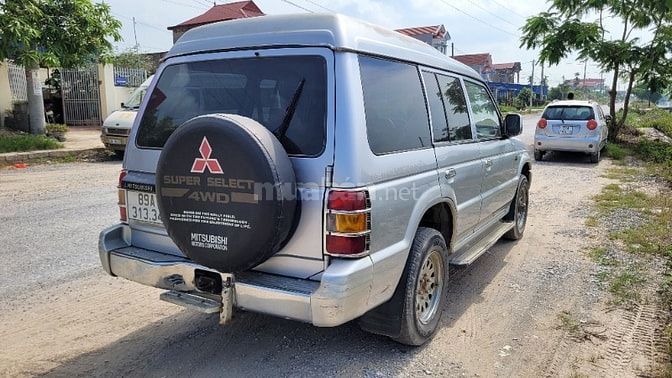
<point x="121" y="193"/>
<point x="347" y="223"/>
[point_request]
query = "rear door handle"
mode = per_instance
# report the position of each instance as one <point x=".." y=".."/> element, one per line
<point x="450" y="173"/>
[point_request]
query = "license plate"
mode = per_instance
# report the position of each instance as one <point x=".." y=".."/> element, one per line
<point x="114" y="141"/>
<point x="566" y="129"/>
<point x="142" y="207"/>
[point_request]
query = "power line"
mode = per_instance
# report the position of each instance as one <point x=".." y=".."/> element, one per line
<point x="509" y="9"/>
<point x="475" y="18"/>
<point x="203" y="2"/>
<point x="320" y="6"/>
<point x="184" y="4"/>
<point x="494" y="14"/>
<point x="298" y="6"/>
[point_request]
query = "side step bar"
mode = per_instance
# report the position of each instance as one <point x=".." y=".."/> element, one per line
<point x="471" y="252"/>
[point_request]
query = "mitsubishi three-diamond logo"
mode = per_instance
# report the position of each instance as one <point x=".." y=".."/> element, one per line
<point x="204" y="162"/>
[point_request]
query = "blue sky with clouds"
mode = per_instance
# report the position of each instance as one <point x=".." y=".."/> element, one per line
<point x="476" y="26"/>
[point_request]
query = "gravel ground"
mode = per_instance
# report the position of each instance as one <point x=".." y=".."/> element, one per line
<point x="62" y="316"/>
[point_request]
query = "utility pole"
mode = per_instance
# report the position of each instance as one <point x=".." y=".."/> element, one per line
<point x="135" y="35"/>
<point x="543" y="81"/>
<point x="585" y="67"/>
<point x="452" y="49"/>
<point x="532" y="84"/>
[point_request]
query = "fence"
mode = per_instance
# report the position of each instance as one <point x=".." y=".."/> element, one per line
<point x="17" y="82"/>
<point x="81" y="96"/>
<point x="129" y="77"/>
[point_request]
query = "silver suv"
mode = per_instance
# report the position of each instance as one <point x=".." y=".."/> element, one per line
<point x="319" y="169"/>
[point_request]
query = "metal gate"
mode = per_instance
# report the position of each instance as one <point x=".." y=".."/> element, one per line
<point x="81" y="96"/>
<point x="17" y="82"/>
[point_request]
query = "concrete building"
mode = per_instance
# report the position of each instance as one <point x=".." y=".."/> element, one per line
<point x="506" y="72"/>
<point x="481" y="63"/>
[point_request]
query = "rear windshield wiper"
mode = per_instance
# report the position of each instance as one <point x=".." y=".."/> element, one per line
<point x="289" y="113"/>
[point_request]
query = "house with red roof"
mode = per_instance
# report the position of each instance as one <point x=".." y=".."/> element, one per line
<point x="481" y="63"/>
<point x="222" y="12"/>
<point x="506" y="72"/>
<point x="435" y="35"/>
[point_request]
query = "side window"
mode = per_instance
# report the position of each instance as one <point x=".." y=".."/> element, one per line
<point x="456" y="108"/>
<point x="436" y="109"/>
<point x="485" y="114"/>
<point x="396" y="115"/>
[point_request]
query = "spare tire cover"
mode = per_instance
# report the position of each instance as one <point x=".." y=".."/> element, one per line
<point x="226" y="191"/>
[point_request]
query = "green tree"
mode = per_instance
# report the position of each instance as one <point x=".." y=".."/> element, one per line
<point x="132" y="59"/>
<point x="54" y="33"/>
<point x="563" y="29"/>
<point x="523" y="98"/>
<point x="642" y="91"/>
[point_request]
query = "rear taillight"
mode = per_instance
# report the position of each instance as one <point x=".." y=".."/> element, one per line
<point x="592" y="124"/>
<point x="348" y="223"/>
<point x="542" y="123"/>
<point x="121" y="197"/>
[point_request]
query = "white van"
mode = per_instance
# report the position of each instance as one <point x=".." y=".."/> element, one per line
<point x="118" y="125"/>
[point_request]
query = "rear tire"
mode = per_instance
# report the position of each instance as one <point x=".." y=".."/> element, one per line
<point x="538" y="155"/>
<point x="119" y="154"/>
<point x="519" y="209"/>
<point x="425" y="279"/>
<point x="595" y="157"/>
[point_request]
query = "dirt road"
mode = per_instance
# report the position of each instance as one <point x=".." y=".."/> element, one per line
<point x="63" y="316"/>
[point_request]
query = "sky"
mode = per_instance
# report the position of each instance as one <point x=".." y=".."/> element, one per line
<point x="475" y="26"/>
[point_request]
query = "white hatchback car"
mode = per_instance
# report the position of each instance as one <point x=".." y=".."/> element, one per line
<point x="575" y="126"/>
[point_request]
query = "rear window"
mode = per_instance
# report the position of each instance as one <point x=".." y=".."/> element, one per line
<point x="569" y="113"/>
<point x="257" y="88"/>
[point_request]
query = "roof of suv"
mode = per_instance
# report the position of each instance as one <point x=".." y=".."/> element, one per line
<point x="329" y="30"/>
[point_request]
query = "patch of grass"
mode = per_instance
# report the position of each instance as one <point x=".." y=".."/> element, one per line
<point x="658" y="119"/>
<point x="616" y="151"/>
<point x="614" y="197"/>
<point x="27" y="142"/>
<point x="622" y="173"/>
<point x="625" y="285"/>
<point x="601" y="256"/>
<point x="508" y="109"/>
<point x="592" y="221"/>
<point x="569" y="323"/>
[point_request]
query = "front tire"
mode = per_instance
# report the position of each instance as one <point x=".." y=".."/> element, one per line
<point x="425" y="278"/>
<point x="518" y="210"/>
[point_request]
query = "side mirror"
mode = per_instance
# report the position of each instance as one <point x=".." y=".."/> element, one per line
<point x="122" y="104"/>
<point x="513" y="125"/>
<point x="608" y="118"/>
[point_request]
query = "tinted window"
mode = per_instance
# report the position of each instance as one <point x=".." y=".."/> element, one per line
<point x="569" y="113"/>
<point x="456" y="108"/>
<point x="485" y="113"/>
<point x="436" y="108"/>
<point x="396" y="116"/>
<point x="258" y="88"/>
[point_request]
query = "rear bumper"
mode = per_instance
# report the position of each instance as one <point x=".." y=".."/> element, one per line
<point x="573" y="144"/>
<point x="114" y="142"/>
<point x="341" y="295"/>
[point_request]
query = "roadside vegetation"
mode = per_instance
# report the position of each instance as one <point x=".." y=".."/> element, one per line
<point x="635" y="262"/>
<point x="15" y="142"/>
